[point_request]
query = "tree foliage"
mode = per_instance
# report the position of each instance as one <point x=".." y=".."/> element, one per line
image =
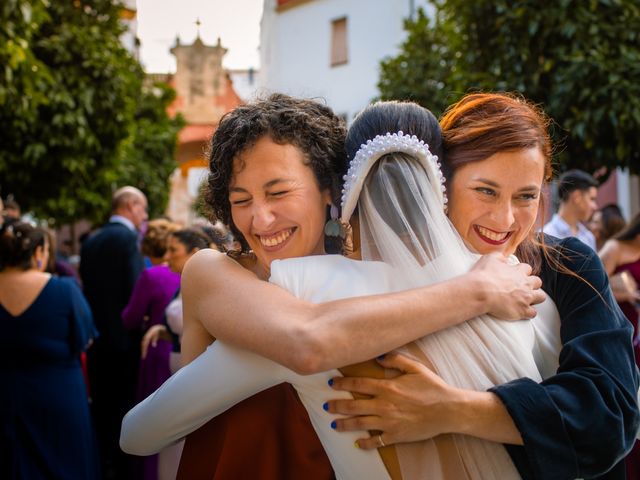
<point x="147" y="157"/>
<point x="579" y="59"/>
<point x="71" y="98"/>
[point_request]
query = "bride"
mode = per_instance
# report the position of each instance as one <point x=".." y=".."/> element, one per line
<point x="395" y="183"/>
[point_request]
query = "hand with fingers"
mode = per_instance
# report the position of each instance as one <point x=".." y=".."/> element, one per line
<point x="151" y="337"/>
<point x="511" y="290"/>
<point x="416" y="405"/>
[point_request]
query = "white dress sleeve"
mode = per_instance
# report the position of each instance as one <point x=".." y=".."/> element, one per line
<point x="546" y="326"/>
<point x="215" y="381"/>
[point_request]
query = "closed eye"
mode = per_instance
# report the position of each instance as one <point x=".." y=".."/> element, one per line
<point x="243" y="201"/>
<point x="280" y="193"/>
<point x="486" y="191"/>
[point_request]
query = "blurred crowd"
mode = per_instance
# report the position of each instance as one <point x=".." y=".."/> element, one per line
<point x="99" y="331"/>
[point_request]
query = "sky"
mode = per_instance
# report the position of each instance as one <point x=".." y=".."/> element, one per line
<point x="236" y="22"/>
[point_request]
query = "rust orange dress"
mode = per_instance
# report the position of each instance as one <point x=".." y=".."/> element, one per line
<point x="268" y="436"/>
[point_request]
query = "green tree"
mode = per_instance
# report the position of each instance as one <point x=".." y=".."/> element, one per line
<point x="147" y="158"/>
<point x="579" y="59"/>
<point x="73" y="113"/>
<point x="422" y="69"/>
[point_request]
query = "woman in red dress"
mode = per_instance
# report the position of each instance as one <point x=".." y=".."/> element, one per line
<point x="621" y="258"/>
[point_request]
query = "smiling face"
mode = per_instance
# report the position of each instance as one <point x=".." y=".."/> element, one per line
<point x="276" y="203"/>
<point x="493" y="203"/>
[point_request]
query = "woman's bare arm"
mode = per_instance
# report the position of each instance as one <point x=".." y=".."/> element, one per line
<point x="195" y="338"/>
<point x="623" y="286"/>
<point x="609" y="255"/>
<point x="232" y="304"/>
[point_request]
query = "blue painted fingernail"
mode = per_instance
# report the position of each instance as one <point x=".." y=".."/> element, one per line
<point x="325" y="406"/>
<point x="333" y="425"/>
<point x="381" y="357"/>
<point x="330" y="382"/>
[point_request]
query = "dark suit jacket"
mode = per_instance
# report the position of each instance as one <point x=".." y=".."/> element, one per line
<point x="110" y="264"/>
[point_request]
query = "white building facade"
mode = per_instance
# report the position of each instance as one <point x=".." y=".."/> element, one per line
<point x="330" y="49"/>
<point x="129" y="17"/>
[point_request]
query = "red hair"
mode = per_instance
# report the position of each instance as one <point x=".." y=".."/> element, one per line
<point x="483" y="124"/>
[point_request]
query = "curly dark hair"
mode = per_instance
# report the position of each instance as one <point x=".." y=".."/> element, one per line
<point x="306" y="124"/>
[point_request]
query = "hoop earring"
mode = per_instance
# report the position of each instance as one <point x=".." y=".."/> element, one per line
<point x="333" y="227"/>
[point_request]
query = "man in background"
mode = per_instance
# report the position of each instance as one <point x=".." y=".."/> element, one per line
<point x="110" y="263"/>
<point x="577" y="191"/>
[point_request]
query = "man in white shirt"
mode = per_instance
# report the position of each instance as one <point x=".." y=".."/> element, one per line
<point x="577" y="191"/>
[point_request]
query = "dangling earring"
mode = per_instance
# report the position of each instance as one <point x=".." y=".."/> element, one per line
<point x="333" y="227"/>
<point x="39" y="264"/>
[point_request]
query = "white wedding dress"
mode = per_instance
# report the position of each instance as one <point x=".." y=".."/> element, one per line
<point x="224" y="375"/>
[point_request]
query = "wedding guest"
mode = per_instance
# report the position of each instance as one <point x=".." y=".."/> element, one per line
<point x="577" y="191"/>
<point x="605" y="223"/>
<point x="110" y="263"/>
<point x="621" y="258"/>
<point x="583" y="418"/>
<point x="182" y="244"/>
<point x="45" y="425"/>
<point x="57" y="265"/>
<point x="153" y="291"/>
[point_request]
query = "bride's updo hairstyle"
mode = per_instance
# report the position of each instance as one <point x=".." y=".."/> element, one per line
<point x="483" y="124"/>
<point x="18" y="244"/>
<point x="401" y="189"/>
<point x="391" y="117"/>
<point x="306" y="124"/>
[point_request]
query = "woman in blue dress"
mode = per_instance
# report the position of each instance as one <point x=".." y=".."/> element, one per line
<point x="45" y="426"/>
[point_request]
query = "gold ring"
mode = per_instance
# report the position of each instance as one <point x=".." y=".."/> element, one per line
<point x="380" y="441"/>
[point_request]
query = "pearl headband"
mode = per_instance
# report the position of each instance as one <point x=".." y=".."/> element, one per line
<point x="369" y="153"/>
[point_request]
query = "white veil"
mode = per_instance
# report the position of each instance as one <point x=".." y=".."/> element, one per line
<point x="399" y="191"/>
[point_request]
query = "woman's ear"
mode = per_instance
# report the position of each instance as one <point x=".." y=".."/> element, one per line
<point x="39" y="255"/>
<point x="326" y="197"/>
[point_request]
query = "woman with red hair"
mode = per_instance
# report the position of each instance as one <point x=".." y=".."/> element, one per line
<point x="582" y="419"/>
